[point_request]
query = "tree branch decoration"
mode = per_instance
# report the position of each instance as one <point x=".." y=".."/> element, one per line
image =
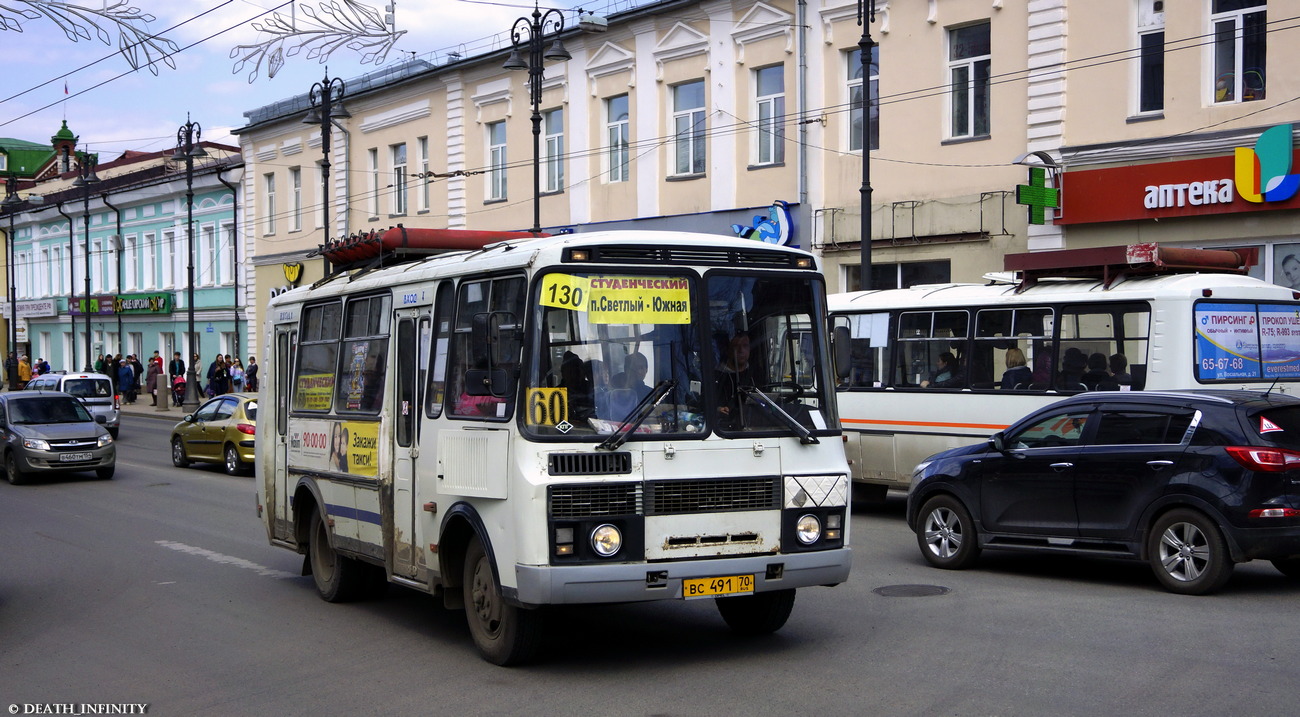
<point x="341" y="24"/>
<point x="140" y="47"/>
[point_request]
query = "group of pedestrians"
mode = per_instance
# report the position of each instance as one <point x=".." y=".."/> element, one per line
<point x="20" y="369"/>
<point x="126" y="373"/>
<point x="226" y="374"/>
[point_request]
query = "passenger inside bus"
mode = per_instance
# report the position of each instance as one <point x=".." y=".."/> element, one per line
<point x="1119" y="370"/>
<point x="946" y="374"/>
<point x="1018" y="374"/>
<point x="1098" y="377"/>
<point x="734" y="373"/>
<point x="629" y="387"/>
<point x="1073" y="365"/>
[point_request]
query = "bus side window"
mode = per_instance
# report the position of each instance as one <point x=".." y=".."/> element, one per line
<point x="442" y="317"/>
<point x="868" y="349"/>
<point x="933" y="349"/>
<point x="502" y="299"/>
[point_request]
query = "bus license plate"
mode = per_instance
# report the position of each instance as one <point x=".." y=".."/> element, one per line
<point x="66" y="457"/>
<point x="712" y="587"/>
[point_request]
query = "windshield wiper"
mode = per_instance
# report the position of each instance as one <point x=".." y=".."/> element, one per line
<point x="774" y="409"/>
<point x="638" y="415"/>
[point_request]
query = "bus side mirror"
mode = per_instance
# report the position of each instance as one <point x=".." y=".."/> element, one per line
<point x="494" y="339"/>
<point x="843" y="348"/>
<point x="489" y="382"/>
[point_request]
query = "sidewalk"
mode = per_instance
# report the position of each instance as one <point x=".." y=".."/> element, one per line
<point x="142" y="407"/>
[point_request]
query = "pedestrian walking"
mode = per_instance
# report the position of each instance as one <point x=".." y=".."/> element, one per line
<point x="24" y="371"/>
<point x="237" y="376"/>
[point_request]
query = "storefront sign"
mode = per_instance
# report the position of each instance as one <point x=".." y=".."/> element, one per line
<point x="99" y="305"/>
<point x="1250" y="180"/>
<point x="144" y="304"/>
<point x="40" y="308"/>
<point x="292" y="274"/>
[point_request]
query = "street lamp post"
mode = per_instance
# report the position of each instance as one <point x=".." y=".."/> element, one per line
<point x="86" y="179"/>
<point x="11" y="204"/>
<point x="188" y="148"/>
<point x="865" y="45"/>
<point x="326" y="99"/>
<point x="531" y="30"/>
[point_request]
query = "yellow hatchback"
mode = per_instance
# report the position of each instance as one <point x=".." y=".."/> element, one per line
<point x="222" y="431"/>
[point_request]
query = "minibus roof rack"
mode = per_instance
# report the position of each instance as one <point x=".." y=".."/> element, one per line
<point x="1111" y="263"/>
<point x="397" y="245"/>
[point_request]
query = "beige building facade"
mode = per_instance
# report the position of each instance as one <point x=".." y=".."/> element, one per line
<point x="705" y="115"/>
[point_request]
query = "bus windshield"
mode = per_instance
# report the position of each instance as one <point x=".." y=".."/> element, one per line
<point x="744" y="358"/>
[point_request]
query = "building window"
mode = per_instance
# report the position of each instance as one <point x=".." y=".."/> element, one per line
<point x="268" y="216"/>
<point x="208" y="254"/>
<point x="97" y="265"/>
<point x="174" y="255"/>
<point x="295" y="200"/>
<point x="769" y="110"/>
<point x="129" y="261"/>
<point x="372" y="155"/>
<point x="854" y="85"/>
<point x="398" y="152"/>
<point x="424" y="174"/>
<point x="617" y="134"/>
<point x="148" y="254"/>
<point x="968" y="73"/>
<point x="1240" y="34"/>
<point x="688" y="128"/>
<point x="1151" y="74"/>
<point x="320" y="203"/>
<point x="900" y="276"/>
<point x="553" y="141"/>
<point x="496" y="139"/>
<point x="226" y="251"/>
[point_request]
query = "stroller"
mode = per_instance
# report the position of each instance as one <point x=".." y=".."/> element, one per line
<point x="178" y="391"/>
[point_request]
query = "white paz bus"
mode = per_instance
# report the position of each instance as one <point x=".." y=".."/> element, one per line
<point x="594" y="418"/>
<point x="945" y="365"/>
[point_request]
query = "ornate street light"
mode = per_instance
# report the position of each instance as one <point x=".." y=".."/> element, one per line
<point x="11" y="204"/>
<point x="86" y="179"/>
<point x="326" y="104"/>
<point x="865" y="45"/>
<point x="188" y="148"/>
<point x="528" y="36"/>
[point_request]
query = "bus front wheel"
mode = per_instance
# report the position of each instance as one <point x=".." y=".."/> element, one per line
<point x="504" y="634"/>
<point x="757" y="614"/>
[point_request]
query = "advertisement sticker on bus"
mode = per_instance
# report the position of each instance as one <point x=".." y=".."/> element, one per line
<point x="1227" y="341"/>
<point x="1279" y="329"/>
<point x="338" y="446"/>
<point x="314" y="392"/>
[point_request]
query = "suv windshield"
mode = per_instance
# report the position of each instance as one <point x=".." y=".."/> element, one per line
<point x="51" y="409"/>
<point x="728" y="353"/>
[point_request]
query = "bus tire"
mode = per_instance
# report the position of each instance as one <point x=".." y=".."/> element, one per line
<point x="757" y="614"/>
<point x="504" y="634"/>
<point x="338" y="578"/>
<point x="946" y="534"/>
<point x="1188" y="553"/>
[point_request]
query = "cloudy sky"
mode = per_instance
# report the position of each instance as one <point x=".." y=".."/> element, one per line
<point x="113" y="108"/>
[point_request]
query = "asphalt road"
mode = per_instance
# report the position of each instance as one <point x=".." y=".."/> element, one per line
<point x="159" y="587"/>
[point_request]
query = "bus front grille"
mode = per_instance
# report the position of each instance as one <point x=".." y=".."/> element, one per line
<point x="589" y="464"/>
<point x="581" y="501"/>
<point x="714" y="495"/>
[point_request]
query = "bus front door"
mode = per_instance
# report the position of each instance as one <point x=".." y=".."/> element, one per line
<point x="412" y="348"/>
<point x="286" y="339"/>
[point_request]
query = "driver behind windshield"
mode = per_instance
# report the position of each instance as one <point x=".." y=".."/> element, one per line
<point x="733" y="373"/>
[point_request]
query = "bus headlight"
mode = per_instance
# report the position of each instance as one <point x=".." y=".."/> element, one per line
<point x="808" y="529"/>
<point x="606" y="540"/>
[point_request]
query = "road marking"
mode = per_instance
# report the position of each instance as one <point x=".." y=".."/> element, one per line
<point x="226" y="559"/>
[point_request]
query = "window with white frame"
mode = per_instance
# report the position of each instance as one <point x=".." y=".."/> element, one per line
<point x="496" y="142"/>
<point x="169" y="263"/>
<point x="210" y="274"/>
<point x="617" y="136"/>
<point x="688" y="128"/>
<point x="397" y="153"/>
<point x="268" y="213"/>
<point x="969" y="58"/>
<point x="148" y="255"/>
<point x="769" y="111"/>
<point x="320" y="200"/>
<point x="423" y="194"/>
<point x="295" y="200"/>
<point x="372" y="155"/>
<point x="854" y="85"/>
<point x="1240" y="41"/>
<point x="226" y="251"/>
<point x="97" y="265"/>
<point x="132" y="253"/>
<point x="553" y="141"/>
<point x="46" y="285"/>
<point x="1151" y="56"/>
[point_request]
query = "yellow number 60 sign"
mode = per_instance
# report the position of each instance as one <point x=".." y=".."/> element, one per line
<point x="547" y="406"/>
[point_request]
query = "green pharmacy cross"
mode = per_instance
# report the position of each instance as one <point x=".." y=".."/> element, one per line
<point x="1038" y="195"/>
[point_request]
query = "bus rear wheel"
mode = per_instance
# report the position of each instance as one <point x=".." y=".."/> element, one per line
<point x="504" y="634"/>
<point x="338" y="578"/>
<point x="757" y="614"/>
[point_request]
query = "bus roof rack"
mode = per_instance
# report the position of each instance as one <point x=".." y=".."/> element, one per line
<point x="1111" y="263"/>
<point x="399" y="244"/>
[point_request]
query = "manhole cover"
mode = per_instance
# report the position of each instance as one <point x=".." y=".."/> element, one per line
<point x="910" y="590"/>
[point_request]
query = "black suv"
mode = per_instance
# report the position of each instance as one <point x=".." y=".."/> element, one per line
<point x="1191" y="481"/>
